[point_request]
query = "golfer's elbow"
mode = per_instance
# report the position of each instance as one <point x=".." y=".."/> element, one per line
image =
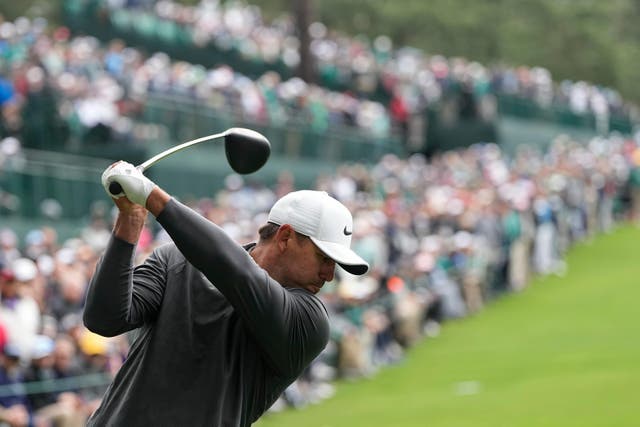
<point x="98" y="325"/>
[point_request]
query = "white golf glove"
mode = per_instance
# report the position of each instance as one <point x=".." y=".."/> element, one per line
<point x="135" y="186"/>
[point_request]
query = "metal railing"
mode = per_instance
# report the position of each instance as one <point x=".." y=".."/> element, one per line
<point x="187" y="118"/>
<point x="34" y="176"/>
<point x="55" y="385"/>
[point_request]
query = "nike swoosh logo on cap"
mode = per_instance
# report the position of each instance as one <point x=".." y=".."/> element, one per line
<point x="347" y="232"/>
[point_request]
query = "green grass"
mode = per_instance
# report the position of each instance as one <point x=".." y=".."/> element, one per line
<point x="564" y="352"/>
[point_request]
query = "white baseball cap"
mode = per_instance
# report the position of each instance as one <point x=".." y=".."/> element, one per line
<point x="326" y="221"/>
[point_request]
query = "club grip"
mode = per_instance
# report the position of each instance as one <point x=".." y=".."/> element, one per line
<point x="115" y="188"/>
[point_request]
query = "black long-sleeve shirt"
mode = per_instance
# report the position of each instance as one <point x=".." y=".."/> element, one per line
<point x="218" y="339"/>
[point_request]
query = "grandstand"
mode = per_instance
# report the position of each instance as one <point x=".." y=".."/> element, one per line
<point x="130" y="91"/>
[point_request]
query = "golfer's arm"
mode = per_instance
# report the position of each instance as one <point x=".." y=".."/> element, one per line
<point x="118" y="299"/>
<point x="121" y="297"/>
<point x="208" y="248"/>
<point x="108" y="298"/>
<point x="157" y="201"/>
<point x="291" y="329"/>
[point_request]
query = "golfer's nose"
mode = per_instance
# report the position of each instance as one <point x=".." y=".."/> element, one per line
<point x="327" y="270"/>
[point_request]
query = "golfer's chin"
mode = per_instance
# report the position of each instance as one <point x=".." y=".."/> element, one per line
<point x="313" y="289"/>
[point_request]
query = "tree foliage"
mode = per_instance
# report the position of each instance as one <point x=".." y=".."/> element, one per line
<point x="589" y="40"/>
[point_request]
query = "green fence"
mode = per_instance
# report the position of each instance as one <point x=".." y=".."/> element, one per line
<point x="44" y="176"/>
<point x="442" y="136"/>
<point x="511" y="105"/>
<point x="187" y="119"/>
<point x="515" y="132"/>
<point x="295" y="148"/>
<point x="72" y="181"/>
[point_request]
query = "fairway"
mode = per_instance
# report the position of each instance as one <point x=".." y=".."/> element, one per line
<point x="565" y="352"/>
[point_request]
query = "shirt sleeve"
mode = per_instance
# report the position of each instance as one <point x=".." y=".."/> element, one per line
<point x="120" y="297"/>
<point x="291" y="326"/>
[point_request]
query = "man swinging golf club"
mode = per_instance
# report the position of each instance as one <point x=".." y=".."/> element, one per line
<point x="222" y="329"/>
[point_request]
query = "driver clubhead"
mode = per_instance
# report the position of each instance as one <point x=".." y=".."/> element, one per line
<point x="246" y="150"/>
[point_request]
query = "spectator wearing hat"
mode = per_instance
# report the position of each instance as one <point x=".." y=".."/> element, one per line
<point x="98" y="358"/>
<point x="18" y="311"/>
<point x="58" y="408"/>
<point x="8" y="247"/>
<point x="41" y="369"/>
<point x="14" y="408"/>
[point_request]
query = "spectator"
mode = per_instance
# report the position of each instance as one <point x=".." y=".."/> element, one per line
<point x="67" y="284"/>
<point x="14" y="408"/>
<point x="19" y="312"/>
<point x="9" y="251"/>
<point x="443" y="237"/>
<point x="49" y="407"/>
<point x="447" y="257"/>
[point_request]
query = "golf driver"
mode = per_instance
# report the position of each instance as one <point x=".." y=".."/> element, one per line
<point x="246" y="151"/>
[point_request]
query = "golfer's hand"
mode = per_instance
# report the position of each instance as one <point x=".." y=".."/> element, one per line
<point x="135" y="186"/>
<point x="130" y="221"/>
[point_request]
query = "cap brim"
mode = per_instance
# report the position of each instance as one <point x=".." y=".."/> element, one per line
<point x="343" y="256"/>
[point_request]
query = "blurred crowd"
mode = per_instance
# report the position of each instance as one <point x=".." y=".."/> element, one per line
<point x="444" y="237"/>
<point x="53" y="371"/>
<point x="411" y="78"/>
<point x="78" y="88"/>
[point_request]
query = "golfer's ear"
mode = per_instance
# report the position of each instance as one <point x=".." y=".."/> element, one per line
<point x="283" y="235"/>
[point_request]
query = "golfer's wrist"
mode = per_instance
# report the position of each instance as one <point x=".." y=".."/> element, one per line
<point x="157" y="200"/>
<point x="129" y="225"/>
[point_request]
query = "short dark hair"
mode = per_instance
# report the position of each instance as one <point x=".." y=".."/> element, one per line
<point x="267" y="231"/>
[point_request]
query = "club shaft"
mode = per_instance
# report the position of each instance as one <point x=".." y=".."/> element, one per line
<point x="148" y="163"/>
<point x="115" y="188"/>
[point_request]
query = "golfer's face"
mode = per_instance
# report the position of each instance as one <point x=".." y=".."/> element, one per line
<point x="309" y="268"/>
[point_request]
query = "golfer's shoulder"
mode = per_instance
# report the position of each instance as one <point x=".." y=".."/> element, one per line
<point x="169" y="255"/>
<point x="309" y="323"/>
<point x="308" y="302"/>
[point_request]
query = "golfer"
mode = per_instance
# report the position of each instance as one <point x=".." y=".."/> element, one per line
<point x="222" y="329"/>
